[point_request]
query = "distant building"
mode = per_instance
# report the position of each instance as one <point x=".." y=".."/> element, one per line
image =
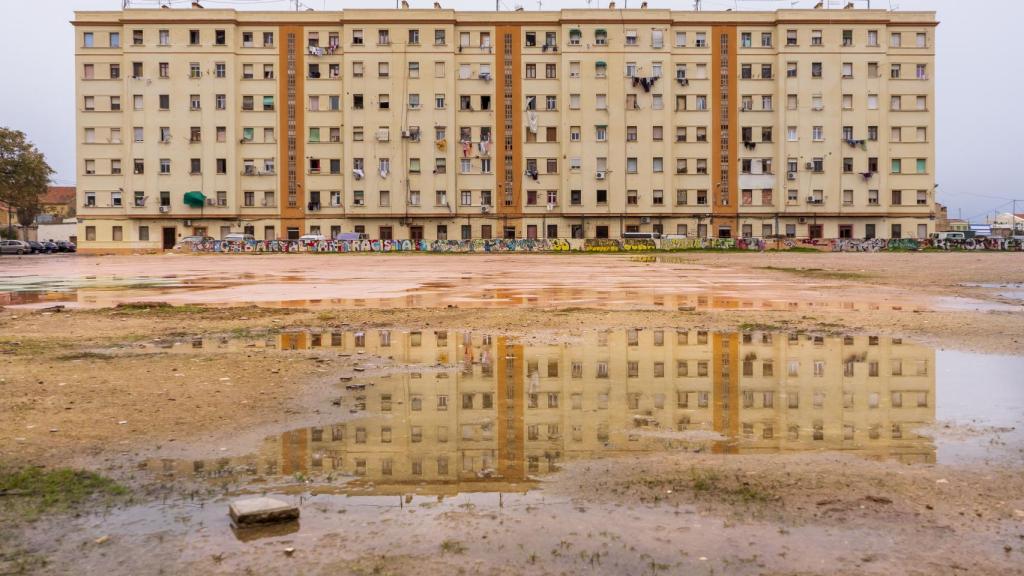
<point x="1007" y="224"/>
<point x="57" y="204"/>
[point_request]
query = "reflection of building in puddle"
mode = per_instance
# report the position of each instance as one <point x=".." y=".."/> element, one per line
<point x="512" y="411"/>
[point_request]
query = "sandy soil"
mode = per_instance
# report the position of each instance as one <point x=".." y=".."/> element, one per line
<point x="83" y="387"/>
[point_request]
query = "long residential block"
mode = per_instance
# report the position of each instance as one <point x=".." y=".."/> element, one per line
<point x="439" y="124"/>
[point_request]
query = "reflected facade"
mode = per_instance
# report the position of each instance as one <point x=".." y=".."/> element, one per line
<point x="470" y="411"/>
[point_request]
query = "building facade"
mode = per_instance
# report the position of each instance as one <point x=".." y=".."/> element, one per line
<point x="439" y="124"/>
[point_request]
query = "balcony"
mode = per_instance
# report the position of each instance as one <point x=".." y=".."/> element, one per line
<point x="252" y="171"/>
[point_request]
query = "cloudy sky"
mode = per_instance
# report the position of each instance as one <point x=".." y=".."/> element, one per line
<point x="979" y="80"/>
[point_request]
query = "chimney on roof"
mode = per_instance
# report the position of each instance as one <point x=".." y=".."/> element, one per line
<point x="849" y="6"/>
<point x="819" y="5"/>
<point x="611" y="5"/>
<point x="405" y="4"/>
<point x="643" y="5"/>
<point x="197" y="5"/>
<point x="437" y="5"/>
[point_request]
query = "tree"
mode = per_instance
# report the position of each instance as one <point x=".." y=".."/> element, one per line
<point x="24" y="175"/>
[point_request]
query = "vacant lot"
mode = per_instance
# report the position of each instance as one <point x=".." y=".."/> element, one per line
<point x="180" y="359"/>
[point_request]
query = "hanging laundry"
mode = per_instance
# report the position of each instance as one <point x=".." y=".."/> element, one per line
<point x="383" y="173"/>
<point x="466" y="148"/>
<point x="358" y="173"/>
<point x="531" y="120"/>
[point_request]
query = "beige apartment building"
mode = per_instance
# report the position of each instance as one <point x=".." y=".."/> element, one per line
<point x="439" y="124"/>
<point x="499" y="413"/>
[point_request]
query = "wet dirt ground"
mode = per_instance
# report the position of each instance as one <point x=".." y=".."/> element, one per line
<point x="507" y="414"/>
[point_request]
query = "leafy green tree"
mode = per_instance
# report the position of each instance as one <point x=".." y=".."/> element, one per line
<point x="24" y="175"/>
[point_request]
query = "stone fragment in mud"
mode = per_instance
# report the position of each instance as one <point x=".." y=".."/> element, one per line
<point x="261" y="510"/>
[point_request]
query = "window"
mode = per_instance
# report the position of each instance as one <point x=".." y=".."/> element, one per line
<point x="115" y="39"/>
<point x="896" y="40"/>
<point x="193" y="37"/>
<point x="87" y="39"/>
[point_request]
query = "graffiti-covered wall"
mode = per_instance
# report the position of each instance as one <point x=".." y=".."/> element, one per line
<point x="607" y="245"/>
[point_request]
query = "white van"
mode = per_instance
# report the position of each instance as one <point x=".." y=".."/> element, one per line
<point x="947" y="236"/>
<point x="239" y="238"/>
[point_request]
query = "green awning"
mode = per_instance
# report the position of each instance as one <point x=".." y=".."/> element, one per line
<point x="574" y="31"/>
<point x="600" y="31"/>
<point x="195" y="199"/>
<point x="601" y="64"/>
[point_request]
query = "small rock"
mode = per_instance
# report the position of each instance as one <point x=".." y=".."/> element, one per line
<point x="942" y="481"/>
<point x="102" y="539"/>
<point x="289" y="551"/>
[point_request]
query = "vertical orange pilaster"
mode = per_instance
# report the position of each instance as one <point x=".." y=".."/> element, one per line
<point x="724" y="154"/>
<point x="509" y="124"/>
<point x="291" y="123"/>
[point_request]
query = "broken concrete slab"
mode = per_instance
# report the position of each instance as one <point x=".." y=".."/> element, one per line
<point x="261" y="510"/>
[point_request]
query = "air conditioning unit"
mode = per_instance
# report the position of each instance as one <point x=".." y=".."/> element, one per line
<point x="383" y="135"/>
<point x="790" y="175"/>
<point x="165" y="209"/>
<point x="801" y="220"/>
<point x="809" y="165"/>
<point x="406" y="134"/>
<point x="485" y="76"/>
<point x="357" y="202"/>
<point x="600" y="175"/>
<point x="485" y="209"/>
<point x="645" y="220"/>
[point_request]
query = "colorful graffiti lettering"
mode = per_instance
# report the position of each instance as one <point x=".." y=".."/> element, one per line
<point x="605" y="245"/>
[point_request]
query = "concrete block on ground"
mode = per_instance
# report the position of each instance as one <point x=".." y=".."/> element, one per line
<point x="261" y="510"/>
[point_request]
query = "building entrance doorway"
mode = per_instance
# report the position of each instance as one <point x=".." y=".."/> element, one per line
<point x="169" y="238"/>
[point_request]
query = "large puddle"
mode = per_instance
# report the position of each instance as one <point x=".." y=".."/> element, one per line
<point x="464" y="411"/>
<point x="435" y="433"/>
<point x="531" y="281"/>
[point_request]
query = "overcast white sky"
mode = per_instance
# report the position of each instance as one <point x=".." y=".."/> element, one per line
<point x="979" y="80"/>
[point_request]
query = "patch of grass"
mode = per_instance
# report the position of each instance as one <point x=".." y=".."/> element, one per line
<point x="453" y="547"/>
<point x="758" y="327"/>
<point x="160" y="308"/>
<point x="711" y="483"/>
<point x="38" y="490"/>
<point x="85" y="355"/>
<point x="819" y="273"/>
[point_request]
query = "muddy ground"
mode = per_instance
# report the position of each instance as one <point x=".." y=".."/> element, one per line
<point x="84" y="387"/>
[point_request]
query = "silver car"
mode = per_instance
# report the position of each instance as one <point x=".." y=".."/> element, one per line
<point x="15" y="247"/>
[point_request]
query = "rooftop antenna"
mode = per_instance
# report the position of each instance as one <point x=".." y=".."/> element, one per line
<point x="696" y="5"/>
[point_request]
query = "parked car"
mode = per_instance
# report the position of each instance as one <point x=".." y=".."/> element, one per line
<point x="15" y="247"/>
<point x="51" y="246"/>
<point x="312" y="238"/>
<point x="66" y="246"/>
<point x="193" y="240"/>
<point x="239" y="238"/>
<point x="36" y="247"/>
